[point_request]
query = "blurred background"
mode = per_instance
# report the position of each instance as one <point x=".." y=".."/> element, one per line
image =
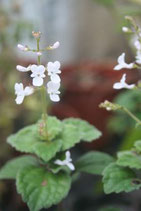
<point x="91" y="39"/>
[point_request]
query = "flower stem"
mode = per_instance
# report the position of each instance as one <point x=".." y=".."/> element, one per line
<point x="43" y="97"/>
<point x="131" y="115"/>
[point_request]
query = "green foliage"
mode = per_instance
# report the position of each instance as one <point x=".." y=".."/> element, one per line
<point x="41" y="188"/>
<point x="130" y="138"/>
<point x="62" y="136"/>
<point x="93" y="162"/>
<point x="10" y="169"/>
<point x="76" y="130"/>
<point x="29" y="140"/>
<point x="117" y="179"/>
<point x="106" y="2"/>
<point x="130" y="159"/>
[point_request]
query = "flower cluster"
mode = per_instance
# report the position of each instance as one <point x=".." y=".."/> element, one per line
<point x="38" y="74"/>
<point x="121" y="59"/>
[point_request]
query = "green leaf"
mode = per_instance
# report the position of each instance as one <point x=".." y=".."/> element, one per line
<point x="29" y="140"/>
<point x="129" y="159"/>
<point x="40" y="188"/>
<point x="93" y="162"/>
<point x="10" y="169"/>
<point x="117" y="179"/>
<point x="76" y="130"/>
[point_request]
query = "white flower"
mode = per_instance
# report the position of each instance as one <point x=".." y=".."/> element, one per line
<point x="38" y="74"/>
<point x="138" y="57"/>
<point x="52" y="89"/>
<point x="22" y="47"/>
<point x="123" y="84"/>
<point x="66" y="162"/>
<point x="53" y="69"/>
<point x="55" y="45"/>
<point x="122" y="63"/>
<point x="23" y="69"/>
<point x="39" y="53"/>
<point x="125" y="29"/>
<point x="21" y="92"/>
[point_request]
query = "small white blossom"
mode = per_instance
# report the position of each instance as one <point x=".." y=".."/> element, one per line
<point x="138" y="57"/>
<point x="53" y="69"/>
<point x="125" y="29"/>
<point x="66" y="162"/>
<point x="55" y="45"/>
<point x="52" y="89"/>
<point x="22" y="47"/>
<point x="23" y="69"/>
<point x="21" y="92"/>
<point x="39" y="53"/>
<point x="122" y="63"/>
<point x="37" y="74"/>
<point x="122" y="84"/>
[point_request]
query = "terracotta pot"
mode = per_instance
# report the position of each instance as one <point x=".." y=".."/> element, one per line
<point x="85" y="86"/>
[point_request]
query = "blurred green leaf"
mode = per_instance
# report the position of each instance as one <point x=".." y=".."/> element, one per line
<point x="40" y="188"/>
<point x="118" y="179"/>
<point x="93" y="162"/>
<point x="76" y="130"/>
<point x="130" y="159"/>
<point x="10" y="169"/>
<point x="131" y="137"/>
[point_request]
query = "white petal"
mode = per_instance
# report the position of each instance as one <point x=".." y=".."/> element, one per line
<point x="129" y="86"/>
<point x="18" y="88"/>
<point x="123" y="79"/>
<point x="118" y="85"/>
<point x="33" y="68"/>
<point x="19" y="99"/>
<point x="53" y="87"/>
<point x="54" y="97"/>
<point x="37" y="81"/>
<point x="21" y="68"/>
<point x="55" y="78"/>
<point x="125" y="29"/>
<point x="57" y="65"/>
<point x="71" y="166"/>
<point x="68" y="155"/>
<point x="55" y="45"/>
<point x="41" y="69"/>
<point x="28" y="90"/>
<point x="59" y="162"/>
<point x="118" y="67"/>
<point x="121" y="58"/>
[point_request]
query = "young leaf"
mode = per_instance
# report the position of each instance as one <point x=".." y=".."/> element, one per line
<point x="29" y="140"/>
<point x="10" y="169"/>
<point x="76" y="130"/>
<point x="117" y="179"/>
<point x="129" y="159"/>
<point x="93" y="162"/>
<point x="40" y="188"/>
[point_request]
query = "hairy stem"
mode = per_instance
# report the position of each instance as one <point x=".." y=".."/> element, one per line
<point x="43" y="97"/>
